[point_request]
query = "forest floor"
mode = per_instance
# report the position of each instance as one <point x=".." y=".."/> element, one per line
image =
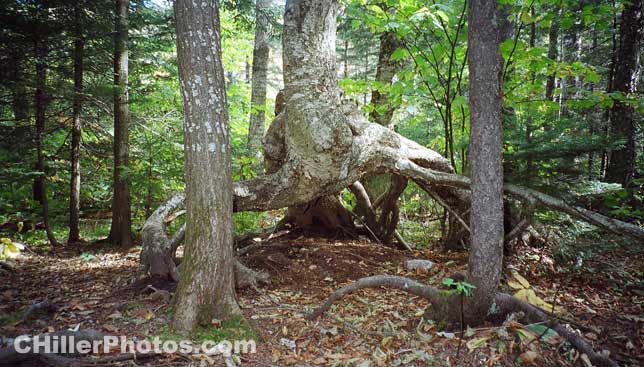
<point x="91" y="286"/>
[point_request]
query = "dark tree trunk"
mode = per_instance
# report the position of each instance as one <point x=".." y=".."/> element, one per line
<point x="621" y="168"/>
<point x="553" y="54"/>
<point x="206" y="289"/>
<point x="75" y="180"/>
<point x="261" y="53"/>
<point x="40" y="101"/>
<point x="19" y="101"/>
<point x="345" y="69"/>
<point x="609" y="88"/>
<point x="121" y="231"/>
<point x="486" y="140"/>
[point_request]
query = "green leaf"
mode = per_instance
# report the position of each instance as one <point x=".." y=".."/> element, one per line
<point x="399" y="54"/>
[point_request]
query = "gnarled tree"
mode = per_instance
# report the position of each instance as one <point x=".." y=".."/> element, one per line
<point x="320" y="144"/>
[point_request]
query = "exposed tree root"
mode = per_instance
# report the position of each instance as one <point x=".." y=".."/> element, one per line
<point x="440" y="301"/>
<point x="158" y="253"/>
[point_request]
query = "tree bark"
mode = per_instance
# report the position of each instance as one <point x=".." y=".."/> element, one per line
<point x="553" y="54"/>
<point x="40" y="51"/>
<point x="19" y="100"/>
<point x="75" y="180"/>
<point x="261" y="53"/>
<point x="206" y="288"/>
<point x="387" y="187"/>
<point x="621" y="168"/>
<point x="486" y="167"/>
<point x="529" y="121"/>
<point x="121" y="228"/>
<point x="385" y="72"/>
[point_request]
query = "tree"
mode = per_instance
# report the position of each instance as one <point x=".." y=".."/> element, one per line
<point x="75" y="180"/>
<point x="321" y="144"/>
<point x="553" y="54"/>
<point x="120" y="230"/>
<point x="40" y="103"/>
<point x="206" y="289"/>
<point x="486" y="167"/>
<point x="261" y="51"/>
<point x="621" y="168"/>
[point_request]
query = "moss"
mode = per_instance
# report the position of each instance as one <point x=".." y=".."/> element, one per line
<point x="12" y="318"/>
<point x="446" y="312"/>
<point x="235" y="328"/>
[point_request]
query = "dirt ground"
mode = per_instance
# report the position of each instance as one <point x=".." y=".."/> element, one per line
<point x="90" y="287"/>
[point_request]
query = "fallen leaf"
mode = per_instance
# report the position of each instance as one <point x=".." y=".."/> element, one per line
<point x="529" y="357"/>
<point x="476" y="343"/>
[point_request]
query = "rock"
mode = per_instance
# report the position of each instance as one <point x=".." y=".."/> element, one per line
<point x="415" y="264"/>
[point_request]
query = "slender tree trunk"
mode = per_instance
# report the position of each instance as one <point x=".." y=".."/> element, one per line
<point x="529" y="122"/>
<point x="385" y="72"/>
<point x="121" y="231"/>
<point x="247" y="71"/>
<point x="19" y="99"/>
<point x="75" y="180"/>
<point x="553" y="54"/>
<point x="261" y="53"/>
<point x="486" y="140"/>
<point x="40" y="51"/>
<point x="366" y="73"/>
<point x="621" y="168"/>
<point x="206" y="289"/>
<point x="345" y="69"/>
<point x="609" y="88"/>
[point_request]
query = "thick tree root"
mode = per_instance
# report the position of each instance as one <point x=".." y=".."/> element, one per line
<point x="158" y="253"/>
<point x="439" y="299"/>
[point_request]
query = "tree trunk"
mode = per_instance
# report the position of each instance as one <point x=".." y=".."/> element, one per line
<point x="75" y="180"/>
<point x="40" y="51"/>
<point x="609" y="88"/>
<point x="621" y="168"/>
<point x="261" y="52"/>
<point x="19" y="101"/>
<point x="385" y="72"/>
<point x="206" y="289"/>
<point x="486" y="168"/>
<point x="529" y="122"/>
<point x="553" y="54"/>
<point x="388" y="188"/>
<point x="121" y="231"/>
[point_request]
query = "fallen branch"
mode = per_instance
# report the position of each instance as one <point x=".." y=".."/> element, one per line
<point x="506" y="303"/>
